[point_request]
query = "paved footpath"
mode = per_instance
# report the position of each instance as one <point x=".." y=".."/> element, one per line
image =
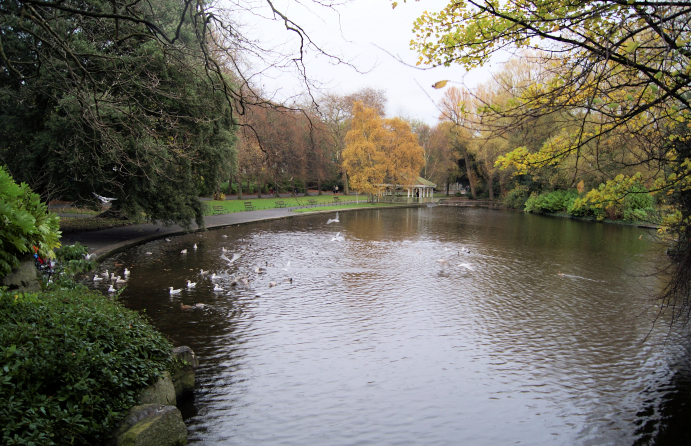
<point x="105" y="242"/>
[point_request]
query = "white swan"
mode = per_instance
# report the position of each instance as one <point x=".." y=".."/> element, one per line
<point x="184" y="251"/>
<point x="127" y="272"/>
<point x="112" y="277"/>
<point x="96" y="278"/>
<point x="105" y="274"/>
<point x="111" y="289"/>
<point x="203" y="273"/>
<point x="172" y="291"/>
<point x="217" y="288"/>
<point x="215" y="276"/>
<point x="195" y="246"/>
<point x="191" y="284"/>
<point x="120" y="280"/>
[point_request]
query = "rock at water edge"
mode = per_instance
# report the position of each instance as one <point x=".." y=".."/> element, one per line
<point x="161" y="392"/>
<point x="152" y="425"/>
<point x="184" y="379"/>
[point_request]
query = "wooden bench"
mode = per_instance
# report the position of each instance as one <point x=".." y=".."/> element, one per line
<point x="337" y="200"/>
<point x="218" y="210"/>
<point x="281" y="204"/>
<point x="312" y="202"/>
<point x="249" y="207"/>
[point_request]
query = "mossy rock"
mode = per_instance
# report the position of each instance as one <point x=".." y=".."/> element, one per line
<point x="152" y="425"/>
<point x="161" y="392"/>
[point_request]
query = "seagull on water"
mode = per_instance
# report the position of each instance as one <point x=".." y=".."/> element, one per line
<point x="203" y="273"/>
<point x="217" y="288"/>
<point x="184" y="251"/>
<point x="467" y="266"/>
<point x="120" y="280"/>
<point x="96" y="278"/>
<point x="195" y="246"/>
<point x="191" y="284"/>
<point x="337" y="238"/>
<point x="127" y="272"/>
<point x="111" y="289"/>
<point x="172" y="291"/>
<point x="288" y="265"/>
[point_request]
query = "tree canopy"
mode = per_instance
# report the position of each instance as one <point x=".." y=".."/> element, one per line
<point x="612" y="83"/>
<point x="380" y="151"/>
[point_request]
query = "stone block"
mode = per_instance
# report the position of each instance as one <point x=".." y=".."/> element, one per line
<point x="161" y="392"/>
<point x="184" y="379"/>
<point x="23" y="279"/>
<point x="152" y="425"/>
<point x="186" y="354"/>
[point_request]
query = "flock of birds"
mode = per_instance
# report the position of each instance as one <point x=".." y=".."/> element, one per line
<point x="114" y="280"/>
<point x="447" y="262"/>
<point x="243" y="276"/>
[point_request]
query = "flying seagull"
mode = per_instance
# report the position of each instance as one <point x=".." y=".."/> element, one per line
<point x="230" y="261"/>
<point x="104" y="200"/>
<point x="333" y="220"/>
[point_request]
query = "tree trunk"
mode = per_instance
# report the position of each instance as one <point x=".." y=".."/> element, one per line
<point x="260" y="184"/>
<point x="230" y="185"/>
<point x="469" y="172"/>
<point x="346" y="190"/>
<point x="304" y="184"/>
<point x="490" y="186"/>
<point x="292" y="187"/>
<point x="319" y="186"/>
<point x="447" y="188"/>
<point x="239" y="178"/>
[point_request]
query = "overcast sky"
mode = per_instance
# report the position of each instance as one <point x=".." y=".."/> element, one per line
<point x="354" y="32"/>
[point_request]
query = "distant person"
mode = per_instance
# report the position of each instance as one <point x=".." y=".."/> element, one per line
<point x="336" y="190"/>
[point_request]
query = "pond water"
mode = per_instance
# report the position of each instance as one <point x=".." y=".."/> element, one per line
<point x="543" y="335"/>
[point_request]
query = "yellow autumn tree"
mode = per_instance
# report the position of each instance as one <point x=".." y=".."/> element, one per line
<point x="380" y="151"/>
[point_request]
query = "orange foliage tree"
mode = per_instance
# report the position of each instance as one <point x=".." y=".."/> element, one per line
<point x="380" y="151"/>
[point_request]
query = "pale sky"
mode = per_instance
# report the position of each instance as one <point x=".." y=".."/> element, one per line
<point x="364" y="25"/>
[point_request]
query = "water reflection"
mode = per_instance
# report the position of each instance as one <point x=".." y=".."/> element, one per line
<point x="377" y="341"/>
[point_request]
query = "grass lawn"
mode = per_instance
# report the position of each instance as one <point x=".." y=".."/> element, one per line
<point x="336" y="207"/>
<point x="230" y="206"/>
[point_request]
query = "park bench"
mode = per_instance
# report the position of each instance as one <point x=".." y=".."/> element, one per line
<point x="281" y="204"/>
<point x="218" y="210"/>
<point x="337" y="200"/>
<point x="312" y="202"/>
<point x="249" y="206"/>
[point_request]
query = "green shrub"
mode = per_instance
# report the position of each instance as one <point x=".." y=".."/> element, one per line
<point x="26" y="223"/>
<point x="72" y="363"/>
<point x="516" y="198"/>
<point x="551" y="202"/>
<point x="71" y="259"/>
